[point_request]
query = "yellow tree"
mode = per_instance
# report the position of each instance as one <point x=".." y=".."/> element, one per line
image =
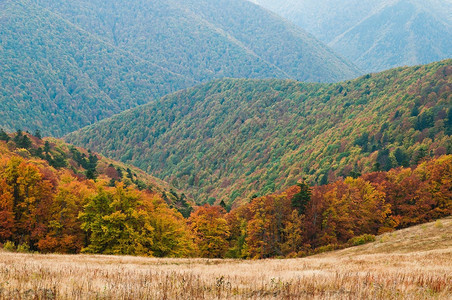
<point x="210" y="230"/>
<point x="171" y="236"/>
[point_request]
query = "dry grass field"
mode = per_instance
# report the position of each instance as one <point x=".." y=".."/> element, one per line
<point x="414" y="263"/>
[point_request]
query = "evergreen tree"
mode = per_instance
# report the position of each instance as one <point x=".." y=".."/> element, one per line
<point x="38" y="134"/>
<point x="301" y="199"/>
<point x="4" y="136"/>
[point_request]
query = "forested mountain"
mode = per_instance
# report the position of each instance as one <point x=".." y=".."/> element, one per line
<point x="57" y="77"/>
<point x="234" y="139"/>
<point x="205" y="39"/>
<point x="375" y="35"/>
<point x="67" y="64"/>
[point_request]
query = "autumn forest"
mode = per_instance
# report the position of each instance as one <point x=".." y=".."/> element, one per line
<point x="57" y="198"/>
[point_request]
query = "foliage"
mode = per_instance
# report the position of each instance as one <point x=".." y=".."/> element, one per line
<point x="68" y="64"/>
<point x="54" y="210"/>
<point x="361" y="240"/>
<point x="210" y="230"/>
<point x="9" y="246"/>
<point x="232" y="139"/>
<point x="347" y="212"/>
<point x="49" y="209"/>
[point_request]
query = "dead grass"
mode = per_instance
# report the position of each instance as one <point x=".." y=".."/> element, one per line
<point x="415" y="263"/>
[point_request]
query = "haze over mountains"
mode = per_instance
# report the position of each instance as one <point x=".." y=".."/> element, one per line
<point x="231" y="138"/>
<point x="375" y="35"/>
<point x="67" y="64"/>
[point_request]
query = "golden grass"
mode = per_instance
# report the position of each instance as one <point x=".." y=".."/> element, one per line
<point x="414" y="263"/>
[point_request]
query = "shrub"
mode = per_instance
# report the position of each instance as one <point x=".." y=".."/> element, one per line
<point x="9" y="246"/>
<point x="361" y="240"/>
<point x="438" y="224"/>
<point x="23" y="248"/>
<point x="327" y="248"/>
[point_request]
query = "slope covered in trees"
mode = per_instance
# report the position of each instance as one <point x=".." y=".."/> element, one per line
<point x="232" y="139"/>
<point x="375" y="35"/>
<point x="205" y="39"/>
<point x="54" y="209"/>
<point x="67" y="64"/>
<point x="57" y="77"/>
<point x="304" y="220"/>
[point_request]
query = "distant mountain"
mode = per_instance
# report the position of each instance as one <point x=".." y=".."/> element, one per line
<point x="231" y="139"/>
<point x="67" y="64"/>
<point x="375" y="35"/>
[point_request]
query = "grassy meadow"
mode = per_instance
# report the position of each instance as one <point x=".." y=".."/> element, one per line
<point x="414" y="263"/>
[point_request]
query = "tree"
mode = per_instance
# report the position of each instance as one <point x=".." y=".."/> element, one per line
<point x="6" y="211"/>
<point x="293" y="235"/>
<point x="210" y="230"/>
<point x="38" y="134"/>
<point x="171" y="237"/>
<point x="116" y="224"/>
<point x="32" y="196"/>
<point x="4" y="136"/>
<point x="302" y="198"/>
<point x="64" y="233"/>
<point x="265" y="228"/>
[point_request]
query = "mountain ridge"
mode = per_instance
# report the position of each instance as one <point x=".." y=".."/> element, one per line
<point x="70" y="64"/>
<point x="353" y="28"/>
<point x="230" y="138"/>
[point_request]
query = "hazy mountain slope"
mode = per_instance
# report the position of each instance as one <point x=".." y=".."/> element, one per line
<point x="400" y="34"/>
<point x="67" y="64"/>
<point x="231" y="138"/>
<point x="375" y="35"/>
<point x="58" y="78"/>
<point x="207" y="39"/>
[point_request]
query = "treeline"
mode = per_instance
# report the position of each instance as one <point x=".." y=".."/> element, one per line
<point x="46" y="209"/>
<point x="305" y="220"/>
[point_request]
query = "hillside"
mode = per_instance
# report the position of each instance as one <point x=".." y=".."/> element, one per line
<point x="389" y="268"/>
<point x="57" y="77"/>
<point x="56" y="157"/>
<point x="55" y="198"/>
<point x="67" y="64"/>
<point x="234" y="139"/>
<point x="435" y="237"/>
<point x="375" y="35"/>
<point x="206" y="39"/>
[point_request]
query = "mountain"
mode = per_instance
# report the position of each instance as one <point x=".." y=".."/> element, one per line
<point x="57" y="77"/>
<point x="234" y="139"/>
<point x="375" y="35"/>
<point x="205" y="39"/>
<point x="67" y="64"/>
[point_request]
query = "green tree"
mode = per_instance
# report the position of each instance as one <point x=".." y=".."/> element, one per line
<point x="302" y="198"/>
<point x="116" y="224"/>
